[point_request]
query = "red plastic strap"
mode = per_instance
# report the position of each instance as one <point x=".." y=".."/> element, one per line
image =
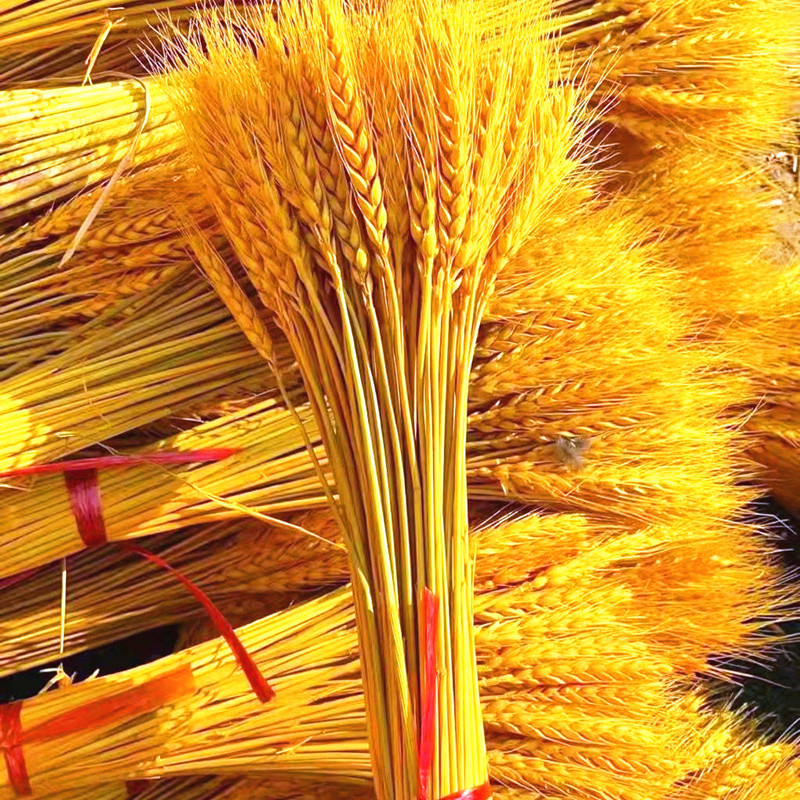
<point x="430" y="627"/>
<point x="257" y="681"/>
<point x="478" y="793"/>
<point x="83" y="488"/>
<point x="11" y="745"/>
<point x="104" y="462"/>
<point x="430" y="632"/>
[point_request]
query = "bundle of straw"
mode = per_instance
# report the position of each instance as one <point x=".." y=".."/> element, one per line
<point x="271" y="473"/>
<point x="80" y="140"/>
<point x="99" y="34"/>
<point x="118" y="372"/>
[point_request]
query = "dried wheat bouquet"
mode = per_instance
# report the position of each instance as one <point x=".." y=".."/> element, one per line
<point x="374" y="173"/>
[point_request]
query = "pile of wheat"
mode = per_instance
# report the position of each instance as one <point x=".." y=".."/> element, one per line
<point x="483" y="303"/>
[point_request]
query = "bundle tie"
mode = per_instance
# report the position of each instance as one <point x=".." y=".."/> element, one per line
<point x="81" y="478"/>
<point x="131" y="702"/>
<point x="430" y="629"/>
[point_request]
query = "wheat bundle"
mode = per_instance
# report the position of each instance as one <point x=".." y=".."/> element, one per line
<point x="83" y="134"/>
<point x="315" y="726"/>
<point x="716" y="71"/>
<point x="668" y="574"/>
<point x="640" y="427"/>
<point x="271" y="473"/>
<point x="741" y="291"/>
<point x="381" y="300"/>
<point x="119" y="366"/>
<point x="98" y="34"/>
<point x="721" y="757"/>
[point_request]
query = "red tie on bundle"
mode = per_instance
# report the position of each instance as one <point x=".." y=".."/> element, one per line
<point x="83" y="486"/>
<point x="126" y="704"/>
<point x="430" y="628"/>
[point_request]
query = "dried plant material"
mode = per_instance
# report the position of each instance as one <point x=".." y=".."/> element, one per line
<point x="712" y="71"/>
<point x="315" y="727"/>
<point x="272" y="473"/>
<point x="373" y="174"/>
<point x="79" y="140"/>
<point x="118" y="371"/>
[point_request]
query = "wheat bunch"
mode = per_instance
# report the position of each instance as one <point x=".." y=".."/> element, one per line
<point x="381" y="309"/>
<point x="641" y="416"/>
<point x="721" y="757"/>
<point x="660" y="578"/>
<point x="73" y="35"/>
<point x="271" y="473"/>
<point x="56" y="142"/>
<point x="118" y="371"/>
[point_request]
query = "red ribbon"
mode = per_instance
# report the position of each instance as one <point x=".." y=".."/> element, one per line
<point x="430" y="629"/>
<point x="11" y="745"/>
<point x="257" y="681"/>
<point x="83" y="488"/>
<point x="430" y="620"/>
<point x="128" y="703"/>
